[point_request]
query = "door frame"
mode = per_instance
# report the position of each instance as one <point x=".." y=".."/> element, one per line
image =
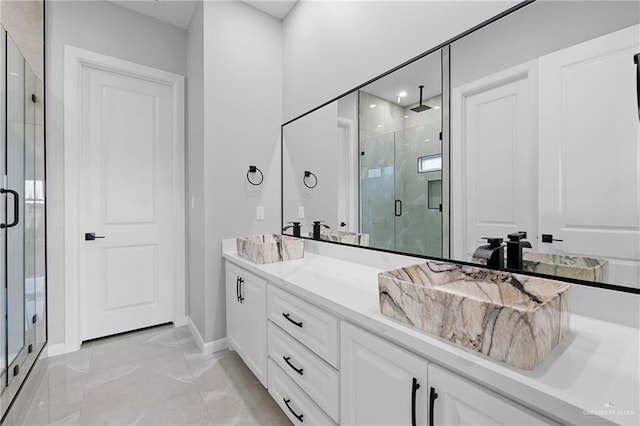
<point x="75" y="60"/>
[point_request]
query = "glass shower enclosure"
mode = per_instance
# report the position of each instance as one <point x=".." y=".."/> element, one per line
<point x="22" y="220"/>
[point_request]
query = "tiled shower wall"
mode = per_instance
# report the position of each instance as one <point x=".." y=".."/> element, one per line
<point x="391" y="145"/>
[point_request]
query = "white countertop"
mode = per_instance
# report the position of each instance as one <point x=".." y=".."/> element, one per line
<point x="592" y="375"/>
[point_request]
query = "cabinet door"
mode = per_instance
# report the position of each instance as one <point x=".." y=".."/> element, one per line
<point x="233" y="307"/>
<point x="254" y="325"/>
<point x="462" y="402"/>
<point x="378" y="381"/>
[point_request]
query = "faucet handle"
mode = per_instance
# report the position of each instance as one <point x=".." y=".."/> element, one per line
<point x="493" y="241"/>
<point x="517" y="236"/>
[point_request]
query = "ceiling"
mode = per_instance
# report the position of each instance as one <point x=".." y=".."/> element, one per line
<point x="425" y="71"/>
<point x="179" y="12"/>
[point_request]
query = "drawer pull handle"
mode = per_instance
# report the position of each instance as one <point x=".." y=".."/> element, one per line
<point x="299" y="324"/>
<point x="298" y="416"/>
<point x="297" y="370"/>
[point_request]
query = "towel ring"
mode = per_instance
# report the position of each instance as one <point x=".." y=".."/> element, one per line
<point x="254" y="169"/>
<point x="304" y="179"/>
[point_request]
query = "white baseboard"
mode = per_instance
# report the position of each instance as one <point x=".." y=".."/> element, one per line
<point x="180" y="322"/>
<point x="206" y="348"/>
<point x="53" y="350"/>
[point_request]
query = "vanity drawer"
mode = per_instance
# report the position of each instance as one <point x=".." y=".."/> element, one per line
<point x="293" y="401"/>
<point x="312" y="374"/>
<point x="313" y="327"/>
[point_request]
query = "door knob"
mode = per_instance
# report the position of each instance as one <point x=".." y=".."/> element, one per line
<point x="91" y="236"/>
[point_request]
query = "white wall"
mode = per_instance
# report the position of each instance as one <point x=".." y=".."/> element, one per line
<point x="195" y="168"/>
<point x="332" y="47"/>
<point x="242" y="117"/>
<point x="108" y="29"/>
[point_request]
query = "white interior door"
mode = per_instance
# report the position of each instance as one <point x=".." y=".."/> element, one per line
<point x="494" y="152"/>
<point x="127" y="278"/>
<point x="590" y="144"/>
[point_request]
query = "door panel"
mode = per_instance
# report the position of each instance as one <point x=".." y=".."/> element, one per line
<point x="498" y="178"/>
<point x="592" y="183"/>
<point x="127" y="276"/>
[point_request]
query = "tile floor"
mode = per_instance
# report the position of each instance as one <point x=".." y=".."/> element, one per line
<point x="155" y="376"/>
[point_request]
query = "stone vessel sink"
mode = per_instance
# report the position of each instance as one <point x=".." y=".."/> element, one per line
<point x="269" y="248"/>
<point x="512" y="318"/>
<point x="560" y="265"/>
<point x="354" y="238"/>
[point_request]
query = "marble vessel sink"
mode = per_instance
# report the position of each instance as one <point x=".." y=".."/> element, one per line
<point x="561" y="265"/>
<point x="269" y="248"/>
<point x="355" y="238"/>
<point x="512" y="318"/>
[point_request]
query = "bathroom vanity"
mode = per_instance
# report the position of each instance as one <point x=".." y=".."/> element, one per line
<point x="313" y="333"/>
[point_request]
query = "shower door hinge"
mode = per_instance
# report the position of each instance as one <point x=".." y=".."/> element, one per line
<point x="16" y="370"/>
<point x="33" y="98"/>
<point x="30" y="348"/>
<point x="34" y="319"/>
<point x="440" y="136"/>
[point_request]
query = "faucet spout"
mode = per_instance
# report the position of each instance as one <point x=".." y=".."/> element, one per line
<point x="514" y="249"/>
<point x="492" y="252"/>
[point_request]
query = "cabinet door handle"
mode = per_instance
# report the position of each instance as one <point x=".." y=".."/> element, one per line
<point x="297" y="370"/>
<point x="636" y="60"/>
<point x="299" y="324"/>
<point x="241" y="296"/>
<point x="414" y="387"/>
<point x="298" y="416"/>
<point x="237" y="288"/>
<point x="16" y="208"/>
<point x="432" y="404"/>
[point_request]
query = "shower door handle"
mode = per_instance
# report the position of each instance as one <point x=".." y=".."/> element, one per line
<point x="16" y="208"/>
<point x="398" y="207"/>
<point x="636" y="60"/>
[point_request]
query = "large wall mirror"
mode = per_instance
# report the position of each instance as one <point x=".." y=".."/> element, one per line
<point x="528" y="124"/>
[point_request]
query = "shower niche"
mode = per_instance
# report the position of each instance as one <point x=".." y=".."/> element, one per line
<point x="22" y="220"/>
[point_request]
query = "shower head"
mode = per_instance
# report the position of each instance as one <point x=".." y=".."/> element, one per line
<point x="422" y="107"/>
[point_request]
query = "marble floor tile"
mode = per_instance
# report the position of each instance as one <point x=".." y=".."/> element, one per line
<point x="155" y="376"/>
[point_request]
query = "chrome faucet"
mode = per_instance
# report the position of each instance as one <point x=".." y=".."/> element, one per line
<point x="514" y="249"/>
<point x="492" y="252"/>
<point x="296" y="228"/>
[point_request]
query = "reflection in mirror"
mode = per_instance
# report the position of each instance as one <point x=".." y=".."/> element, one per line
<point x="544" y="149"/>
<point x="400" y="120"/>
<point x="545" y="139"/>
<point x="377" y="159"/>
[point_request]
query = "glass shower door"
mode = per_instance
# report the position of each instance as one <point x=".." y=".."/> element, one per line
<point x="418" y="190"/>
<point x="18" y="214"/>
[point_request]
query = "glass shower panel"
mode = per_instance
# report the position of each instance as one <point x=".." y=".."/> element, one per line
<point x="29" y="205"/>
<point x="3" y="295"/>
<point x="419" y="227"/>
<point x="15" y="180"/>
<point x="377" y="190"/>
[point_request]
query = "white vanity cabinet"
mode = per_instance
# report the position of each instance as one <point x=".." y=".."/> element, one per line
<point x="381" y="383"/>
<point x="247" y="318"/>
<point x="462" y="402"/>
<point x="303" y="358"/>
